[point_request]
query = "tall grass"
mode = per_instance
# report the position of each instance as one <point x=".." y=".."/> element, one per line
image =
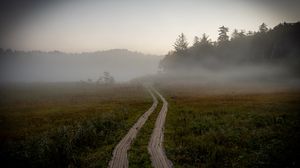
<point x="67" y="127"/>
<point x="233" y="130"/>
<point x="64" y="146"/>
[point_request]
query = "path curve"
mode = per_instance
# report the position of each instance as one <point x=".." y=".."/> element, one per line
<point x="119" y="159"/>
<point x="155" y="147"/>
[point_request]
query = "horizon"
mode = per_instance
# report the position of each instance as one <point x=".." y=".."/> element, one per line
<point x="126" y="49"/>
<point x="141" y="26"/>
<point x="81" y="52"/>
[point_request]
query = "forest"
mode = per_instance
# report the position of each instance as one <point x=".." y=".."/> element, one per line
<point x="278" y="46"/>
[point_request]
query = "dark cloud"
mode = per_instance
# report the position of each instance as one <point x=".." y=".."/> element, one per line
<point x="12" y="12"/>
<point x="18" y="9"/>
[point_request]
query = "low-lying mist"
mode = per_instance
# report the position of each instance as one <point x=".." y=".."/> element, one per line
<point x="36" y="66"/>
<point x="230" y="79"/>
<point x="261" y="60"/>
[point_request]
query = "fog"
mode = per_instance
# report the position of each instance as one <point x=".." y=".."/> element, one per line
<point x="247" y="78"/>
<point x="267" y="58"/>
<point x="235" y="50"/>
<point x="125" y="66"/>
<point x="37" y="66"/>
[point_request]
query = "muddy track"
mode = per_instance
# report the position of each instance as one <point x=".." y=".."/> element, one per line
<point x="155" y="147"/>
<point x="119" y="159"/>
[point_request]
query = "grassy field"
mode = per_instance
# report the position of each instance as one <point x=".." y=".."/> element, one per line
<point x="66" y="125"/>
<point x="78" y="125"/>
<point x="209" y="128"/>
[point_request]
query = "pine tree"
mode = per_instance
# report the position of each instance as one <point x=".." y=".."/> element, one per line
<point x="263" y="28"/>
<point x="181" y="44"/>
<point x="196" y="41"/>
<point x="204" y="40"/>
<point x="223" y="37"/>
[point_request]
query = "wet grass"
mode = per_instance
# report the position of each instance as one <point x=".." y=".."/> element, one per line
<point x="232" y="130"/>
<point x="138" y="155"/>
<point x="66" y="125"/>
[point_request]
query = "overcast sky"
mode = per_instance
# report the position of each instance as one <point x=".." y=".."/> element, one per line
<point x="147" y="26"/>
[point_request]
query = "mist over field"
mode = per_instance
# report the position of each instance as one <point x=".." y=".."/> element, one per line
<point x="268" y="57"/>
<point x="38" y="66"/>
<point x="61" y="41"/>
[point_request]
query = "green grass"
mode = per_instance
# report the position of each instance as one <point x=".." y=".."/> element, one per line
<point x="232" y="130"/>
<point x="66" y="125"/>
<point x="138" y="153"/>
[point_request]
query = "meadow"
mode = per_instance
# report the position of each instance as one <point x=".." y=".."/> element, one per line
<point x="79" y="124"/>
<point x="217" y="127"/>
<point x="68" y="124"/>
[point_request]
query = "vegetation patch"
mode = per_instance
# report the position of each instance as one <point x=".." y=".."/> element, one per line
<point x="67" y="126"/>
<point x="233" y="130"/>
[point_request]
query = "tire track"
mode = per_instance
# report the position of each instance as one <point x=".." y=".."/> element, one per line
<point x="119" y="159"/>
<point x="155" y="147"/>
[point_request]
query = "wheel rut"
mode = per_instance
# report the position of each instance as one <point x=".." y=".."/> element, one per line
<point x="155" y="147"/>
<point x="119" y="158"/>
<point x="156" y="150"/>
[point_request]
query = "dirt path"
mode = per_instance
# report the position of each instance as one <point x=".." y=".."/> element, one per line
<point x="119" y="159"/>
<point x="155" y="147"/>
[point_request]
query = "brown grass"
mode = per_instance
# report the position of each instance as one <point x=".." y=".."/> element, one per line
<point x="232" y="129"/>
<point x="37" y="115"/>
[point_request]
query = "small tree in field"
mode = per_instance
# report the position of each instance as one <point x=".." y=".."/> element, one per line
<point x="107" y="78"/>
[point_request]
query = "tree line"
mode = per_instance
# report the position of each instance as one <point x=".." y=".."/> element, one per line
<point x="276" y="46"/>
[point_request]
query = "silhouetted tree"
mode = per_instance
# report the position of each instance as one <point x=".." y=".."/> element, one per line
<point x="272" y="46"/>
<point x="223" y="37"/>
<point x="235" y="34"/>
<point x="238" y="34"/>
<point x="181" y="44"/>
<point x="204" y="40"/>
<point x="249" y="33"/>
<point x="107" y="78"/>
<point x="196" y="41"/>
<point x="263" y="28"/>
